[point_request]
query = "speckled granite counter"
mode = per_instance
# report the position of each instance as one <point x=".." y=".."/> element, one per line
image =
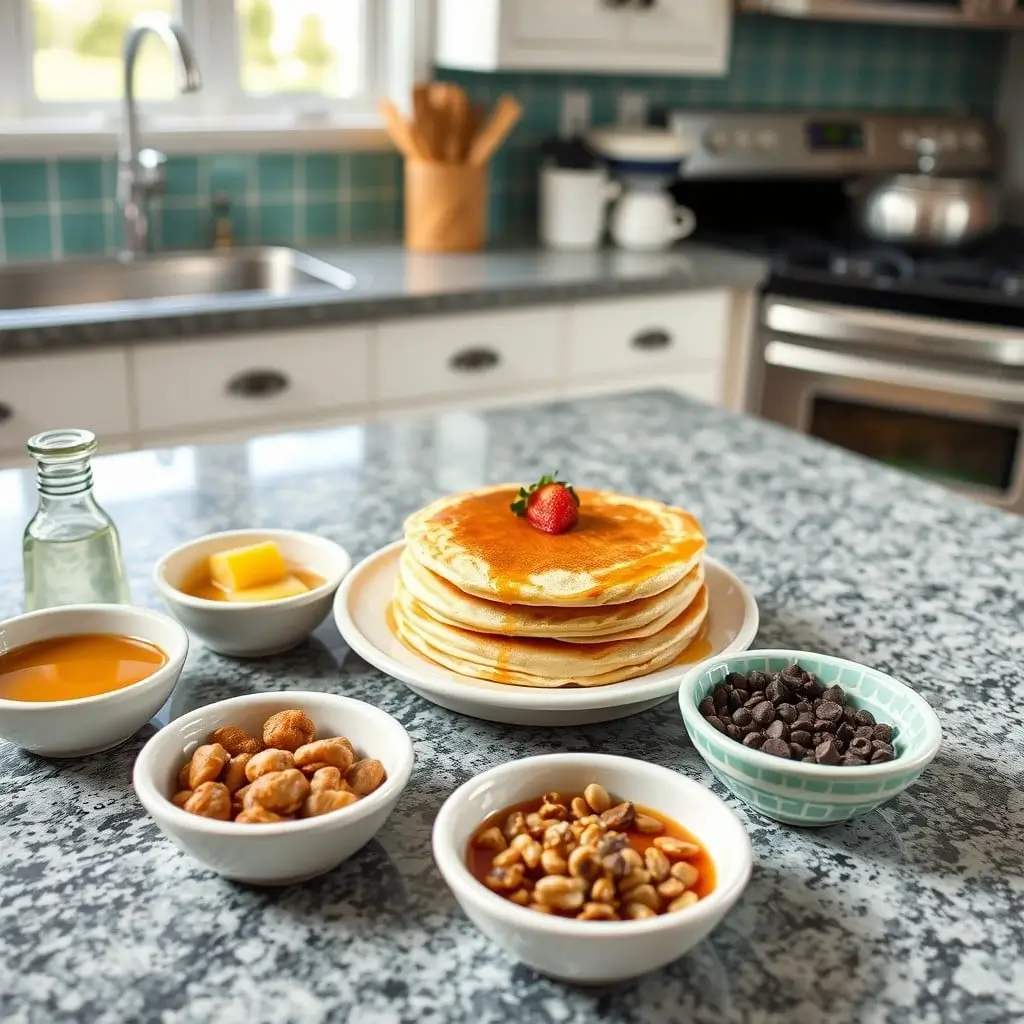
<point x="389" y="282"/>
<point x="912" y="915"/>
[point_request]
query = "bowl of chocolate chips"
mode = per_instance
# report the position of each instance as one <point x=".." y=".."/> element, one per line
<point x="805" y="738"/>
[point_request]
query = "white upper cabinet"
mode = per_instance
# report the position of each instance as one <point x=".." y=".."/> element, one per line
<point x="641" y="36"/>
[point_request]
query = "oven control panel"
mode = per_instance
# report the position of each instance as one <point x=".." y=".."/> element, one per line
<point x="737" y="143"/>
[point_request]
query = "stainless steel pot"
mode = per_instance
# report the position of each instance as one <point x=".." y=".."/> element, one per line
<point x="919" y="209"/>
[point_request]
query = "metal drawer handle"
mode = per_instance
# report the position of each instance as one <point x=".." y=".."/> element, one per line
<point x="258" y="384"/>
<point x="6" y="412"/>
<point x="474" y="360"/>
<point x="651" y="341"/>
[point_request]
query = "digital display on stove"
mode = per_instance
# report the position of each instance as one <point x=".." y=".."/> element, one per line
<point x="835" y="136"/>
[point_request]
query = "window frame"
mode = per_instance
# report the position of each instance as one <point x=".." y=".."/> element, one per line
<point x="220" y="117"/>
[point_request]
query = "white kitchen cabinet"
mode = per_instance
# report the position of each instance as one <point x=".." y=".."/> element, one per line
<point x="675" y="36"/>
<point x="470" y="353"/>
<point x="187" y="386"/>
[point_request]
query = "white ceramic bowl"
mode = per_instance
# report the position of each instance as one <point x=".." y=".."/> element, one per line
<point x="289" y="851"/>
<point x="72" y="728"/>
<point x="257" y="628"/>
<point x="592" y="952"/>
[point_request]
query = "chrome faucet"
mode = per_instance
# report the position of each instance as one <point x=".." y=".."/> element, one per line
<point x="141" y="172"/>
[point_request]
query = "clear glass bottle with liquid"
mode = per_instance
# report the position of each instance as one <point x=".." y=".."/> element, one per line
<point x="71" y="549"/>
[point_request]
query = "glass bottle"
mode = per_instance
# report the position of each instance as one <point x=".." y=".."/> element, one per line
<point x="71" y="550"/>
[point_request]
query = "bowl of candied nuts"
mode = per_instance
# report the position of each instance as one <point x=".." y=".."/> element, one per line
<point x="807" y="739"/>
<point x="274" y="788"/>
<point x="591" y="868"/>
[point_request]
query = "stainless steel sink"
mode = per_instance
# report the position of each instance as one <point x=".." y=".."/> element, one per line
<point x="267" y="270"/>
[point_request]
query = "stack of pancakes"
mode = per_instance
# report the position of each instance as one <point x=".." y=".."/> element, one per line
<point x="485" y="594"/>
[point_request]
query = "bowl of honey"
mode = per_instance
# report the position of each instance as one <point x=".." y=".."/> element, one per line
<point x="83" y="678"/>
<point x="591" y="868"/>
<point x="252" y="593"/>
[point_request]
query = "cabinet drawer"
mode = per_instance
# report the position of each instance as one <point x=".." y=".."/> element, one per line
<point x="634" y="335"/>
<point x="88" y="389"/>
<point x="252" y="378"/>
<point x="463" y="354"/>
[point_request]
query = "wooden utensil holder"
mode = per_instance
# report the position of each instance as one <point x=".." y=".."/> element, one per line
<point x="445" y="206"/>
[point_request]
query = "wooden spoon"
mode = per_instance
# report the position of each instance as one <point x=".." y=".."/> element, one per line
<point x="506" y="113"/>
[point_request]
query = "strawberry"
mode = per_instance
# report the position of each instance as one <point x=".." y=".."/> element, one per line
<point x="549" y="505"/>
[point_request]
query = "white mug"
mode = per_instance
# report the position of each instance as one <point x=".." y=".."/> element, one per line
<point x="650" y="221"/>
<point x="572" y="206"/>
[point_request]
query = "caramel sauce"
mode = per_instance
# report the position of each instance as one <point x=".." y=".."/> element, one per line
<point x="69" y="667"/>
<point x="608" y="533"/>
<point x="479" y="860"/>
<point x="200" y="585"/>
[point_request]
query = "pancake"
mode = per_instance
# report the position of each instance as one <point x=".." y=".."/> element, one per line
<point x="452" y="606"/>
<point x="544" y="662"/>
<point x="622" y="549"/>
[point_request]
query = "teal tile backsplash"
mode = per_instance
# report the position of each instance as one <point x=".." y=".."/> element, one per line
<point x="56" y="208"/>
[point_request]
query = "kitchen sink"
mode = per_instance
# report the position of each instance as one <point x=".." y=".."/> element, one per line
<point x="269" y="270"/>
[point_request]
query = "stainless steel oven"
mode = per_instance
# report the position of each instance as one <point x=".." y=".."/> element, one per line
<point x="940" y="398"/>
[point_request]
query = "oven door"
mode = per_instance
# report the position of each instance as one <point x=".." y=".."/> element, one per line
<point x="960" y="427"/>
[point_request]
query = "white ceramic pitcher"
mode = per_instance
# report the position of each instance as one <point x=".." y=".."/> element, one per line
<point x="649" y="221"/>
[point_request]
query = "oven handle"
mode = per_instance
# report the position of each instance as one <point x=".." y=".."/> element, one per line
<point x="895" y="330"/>
<point x="836" y="364"/>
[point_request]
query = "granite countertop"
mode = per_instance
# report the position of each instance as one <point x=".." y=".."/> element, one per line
<point x="389" y="282"/>
<point x="912" y="915"/>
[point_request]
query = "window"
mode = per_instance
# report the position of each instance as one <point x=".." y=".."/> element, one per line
<point x="305" y="59"/>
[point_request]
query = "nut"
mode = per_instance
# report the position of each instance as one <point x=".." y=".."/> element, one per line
<point x="210" y="800"/>
<point x="515" y="825"/>
<point x="597" y="797"/>
<point x="280" y="792"/>
<point x="676" y="849"/>
<point x="327" y="777"/>
<point x="181" y="797"/>
<point x="686" y="873"/>
<point x="505" y="879"/>
<point x="656" y="863"/>
<point x="529" y="849"/>
<point x="559" y="836"/>
<point x="648" y="824"/>
<point x="591" y="835"/>
<point x="560" y="892"/>
<point x="603" y="891"/>
<point x="633" y="859"/>
<point x="507" y="858"/>
<point x="671" y="889"/>
<point x="183" y="774"/>
<point x="637" y="911"/>
<point x="326" y="800"/>
<point x="365" y="776"/>
<point x="521" y="896"/>
<point x="614" y="865"/>
<point x="266" y="761"/>
<point x="238" y="800"/>
<point x="579" y="808"/>
<point x="553" y="811"/>
<point x="553" y="863"/>
<point x="647" y="895"/>
<point x="288" y="730"/>
<point x="597" y="912"/>
<point x="236" y="741"/>
<point x="259" y="816"/>
<point x="207" y="763"/>
<point x="688" y="899"/>
<point x="636" y="877"/>
<point x="334" y="751"/>
<point x="620" y="816"/>
<point x="585" y="863"/>
<point x="541" y="908"/>
<point x="234" y="773"/>
<point x="491" y="839"/>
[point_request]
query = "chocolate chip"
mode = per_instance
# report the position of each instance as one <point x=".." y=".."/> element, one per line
<point x="734" y="701"/>
<point x="778" y="730"/>
<point x="864" y="717"/>
<point x="734" y="732"/>
<point x="787" y="713"/>
<point x="764" y="713"/>
<point x="757" y="695"/>
<point x="805" y="720"/>
<point x="742" y="717"/>
<point x="818" y="737"/>
<point x="812" y="688"/>
<point x="863" y="730"/>
<point x="809" y="759"/>
<point x="850" y="714"/>
<point x="720" y="696"/>
<point x="860" y="746"/>
<point x="826" y="752"/>
<point x="852" y="761"/>
<point x="881" y="756"/>
<point x="735" y="679"/>
<point x="706" y="707"/>
<point x="804" y="707"/>
<point x="822" y="726"/>
<point x="836" y="694"/>
<point x="755" y="740"/>
<point x="777" y="691"/>
<point x="879" y="745"/>
<point x="751" y="702"/>
<point x="777" y="748"/>
<point x="800" y="736"/>
<point x="757" y="680"/>
<point x="844" y="732"/>
<point x="796" y="752"/>
<point x="743" y="694"/>
<point x="883" y="733"/>
<point x="829" y="711"/>
<point x="793" y="680"/>
<point x="716" y="723"/>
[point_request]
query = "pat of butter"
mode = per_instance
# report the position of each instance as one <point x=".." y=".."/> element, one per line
<point x="244" y="568"/>
<point x="287" y="587"/>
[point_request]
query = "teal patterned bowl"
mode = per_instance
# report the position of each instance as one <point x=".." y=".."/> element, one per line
<point x="798" y="793"/>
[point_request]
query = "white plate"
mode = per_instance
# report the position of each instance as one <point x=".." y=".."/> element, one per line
<point x="360" y="610"/>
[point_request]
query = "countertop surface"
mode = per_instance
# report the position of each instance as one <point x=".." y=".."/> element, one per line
<point x="912" y="915"/>
<point x="389" y="282"/>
